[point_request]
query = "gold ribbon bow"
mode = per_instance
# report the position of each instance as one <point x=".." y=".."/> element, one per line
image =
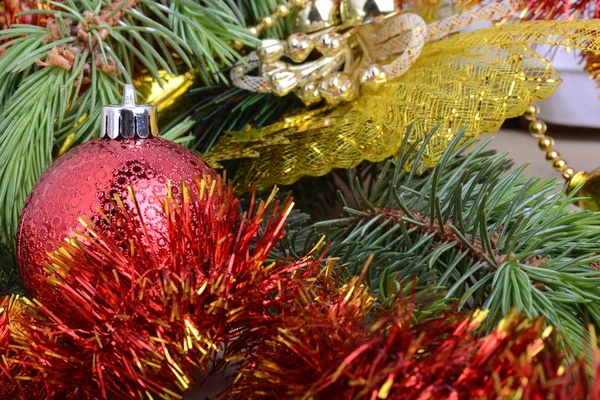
<point x="370" y="54"/>
<point x="471" y="81"/>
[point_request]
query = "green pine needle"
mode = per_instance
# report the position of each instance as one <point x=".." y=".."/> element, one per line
<point x="41" y="108"/>
<point x="486" y="234"/>
<point x="217" y="110"/>
<point x="27" y="124"/>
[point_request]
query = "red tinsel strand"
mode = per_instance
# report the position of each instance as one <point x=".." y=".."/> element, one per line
<point x="11" y="8"/>
<point x="285" y="355"/>
<point x="19" y="379"/>
<point x="141" y="326"/>
<point x="9" y="306"/>
<point x="557" y="9"/>
<point x="309" y="352"/>
<point x="546" y="9"/>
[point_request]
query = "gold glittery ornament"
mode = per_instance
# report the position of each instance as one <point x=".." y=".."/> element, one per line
<point x="333" y="29"/>
<point x="299" y="47"/>
<point x="590" y="189"/>
<point x="168" y="97"/>
<point x="372" y="44"/>
<point x="586" y="185"/>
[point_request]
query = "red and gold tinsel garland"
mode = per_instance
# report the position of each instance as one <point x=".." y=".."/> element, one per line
<point x="16" y="12"/>
<point x="558" y="9"/>
<point x="19" y="12"/>
<point x="325" y="346"/>
<point x="139" y="327"/>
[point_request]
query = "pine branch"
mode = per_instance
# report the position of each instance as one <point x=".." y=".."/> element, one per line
<point x="26" y="143"/>
<point x="209" y="29"/>
<point x="179" y="133"/>
<point x="61" y="76"/>
<point x="484" y="233"/>
<point x="221" y="109"/>
<point x="256" y="9"/>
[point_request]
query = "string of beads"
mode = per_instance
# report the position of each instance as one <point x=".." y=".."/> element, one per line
<point x="268" y="21"/>
<point x="537" y="129"/>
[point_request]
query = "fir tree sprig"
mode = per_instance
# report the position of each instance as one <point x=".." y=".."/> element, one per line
<point x="255" y="10"/>
<point x="478" y="230"/>
<point x="218" y="109"/>
<point x="55" y="79"/>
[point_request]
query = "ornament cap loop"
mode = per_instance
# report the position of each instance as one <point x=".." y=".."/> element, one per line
<point x="129" y="120"/>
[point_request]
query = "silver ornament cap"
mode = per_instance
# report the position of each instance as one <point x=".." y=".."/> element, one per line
<point x="129" y="120"/>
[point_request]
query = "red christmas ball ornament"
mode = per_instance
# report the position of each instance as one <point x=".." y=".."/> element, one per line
<point x="84" y="182"/>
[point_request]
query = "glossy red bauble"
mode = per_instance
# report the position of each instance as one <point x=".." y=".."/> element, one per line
<point x="84" y="181"/>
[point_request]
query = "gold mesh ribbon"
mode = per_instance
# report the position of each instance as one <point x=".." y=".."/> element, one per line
<point x="473" y="80"/>
<point x="392" y="39"/>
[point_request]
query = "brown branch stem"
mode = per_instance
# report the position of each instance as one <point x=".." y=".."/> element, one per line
<point x="427" y="226"/>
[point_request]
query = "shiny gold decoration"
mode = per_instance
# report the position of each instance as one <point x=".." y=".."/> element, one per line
<point x="373" y="77"/>
<point x="255" y="30"/>
<point x="592" y="65"/>
<point x="169" y="97"/>
<point x="538" y="128"/>
<point x="338" y="87"/>
<point x="546" y="143"/>
<point x="273" y="67"/>
<point x="267" y="22"/>
<point x="559" y="164"/>
<point x="281" y="77"/>
<point x="270" y="50"/>
<point x="579" y="178"/>
<point x="330" y="43"/>
<point x="282" y="11"/>
<point x="472" y="80"/>
<point x="588" y="184"/>
<point x="590" y="189"/>
<point x="357" y="12"/>
<point x="298" y="3"/>
<point x="374" y="43"/>
<point x="299" y="46"/>
<point x="552" y="155"/>
<point x="237" y="46"/>
<point x="532" y="112"/>
<point x="66" y="146"/>
<point x="568" y="173"/>
<point x="309" y="94"/>
<point x="68" y="143"/>
<point x="317" y="15"/>
<point x="283" y="82"/>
